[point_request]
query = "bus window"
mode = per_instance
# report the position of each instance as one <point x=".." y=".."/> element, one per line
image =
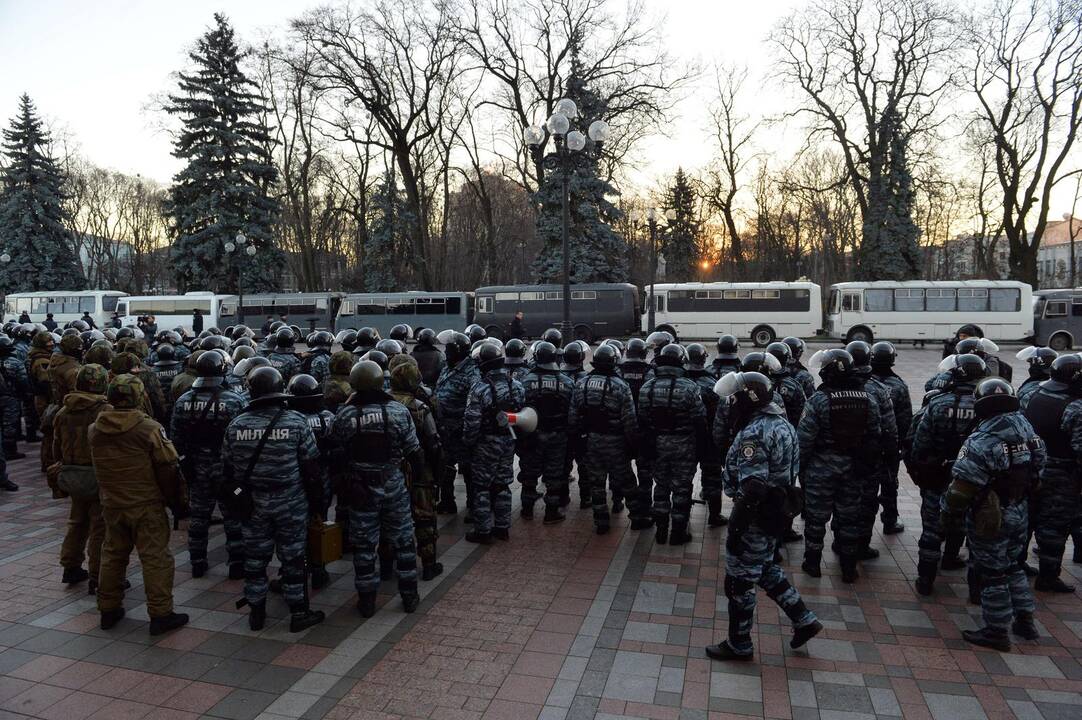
<point x="851" y="302"/>
<point x="878" y="300"/>
<point x="972" y="299"/>
<point x="1076" y="306"/>
<point x="453" y="305"/>
<point x="347" y="308"/>
<point x="765" y="294"/>
<point x="909" y="300"/>
<point x="558" y="295"/>
<point x="661" y="303"/>
<point x="86" y="304"/>
<point x="108" y="302"/>
<point x="373" y="306"/>
<point x="1004" y="300"/>
<point x="401" y="307"/>
<point x="832" y="302"/>
<point x="485" y="304"/>
<point x="1055" y="308"/>
<point x="583" y="295"/>
<point x="940" y="299"/>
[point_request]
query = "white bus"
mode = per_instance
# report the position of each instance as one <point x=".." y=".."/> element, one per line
<point x="171" y="311"/>
<point x="65" y="305"/>
<point x="929" y="310"/>
<point x="761" y="311"/>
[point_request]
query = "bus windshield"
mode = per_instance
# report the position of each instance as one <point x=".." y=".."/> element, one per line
<point x="832" y="305"/>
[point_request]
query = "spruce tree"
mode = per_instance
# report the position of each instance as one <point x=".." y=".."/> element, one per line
<point x="225" y="188"/>
<point x="33" y="222"/>
<point x="889" y="249"/>
<point x="388" y="232"/>
<point x="598" y="253"/>
<point x="680" y="237"/>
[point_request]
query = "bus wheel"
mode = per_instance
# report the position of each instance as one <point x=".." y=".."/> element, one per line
<point x="1060" y="342"/>
<point x="583" y="332"/>
<point x="762" y="336"/>
<point x="494" y="331"/>
<point x="671" y="330"/>
<point x="859" y="333"/>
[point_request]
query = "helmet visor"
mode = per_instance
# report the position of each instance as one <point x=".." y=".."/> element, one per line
<point x="729" y="384"/>
<point x="444" y="336"/>
<point x="947" y="364"/>
<point x="988" y="346"/>
<point x="1026" y="353"/>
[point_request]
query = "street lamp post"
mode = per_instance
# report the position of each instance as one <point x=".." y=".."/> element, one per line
<point x="651" y="221"/>
<point x="237" y="247"/>
<point x="567" y="142"/>
<point x="1071" y="236"/>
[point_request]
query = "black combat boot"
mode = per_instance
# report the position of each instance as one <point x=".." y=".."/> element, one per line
<point x="199" y="567"/>
<point x="6" y="484"/>
<point x="1024" y="627"/>
<point x="431" y="570"/>
<point x="1076" y="557"/>
<point x="791" y="536"/>
<point x="165" y="623"/>
<point x="617" y="504"/>
<point x="950" y="560"/>
<point x="410" y="599"/>
<point x="849" y="569"/>
<point x="680" y="535"/>
<point x="714" y="518"/>
<point x="867" y="552"/>
<point x="1052" y="583"/>
<point x="804" y="633"/>
<point x="302" y="618"/>
<point x="811" y="564"/>
<point x="722" y="651"/>
<point x="475" y="536"/>
<point x="366" y="604"/>
<point x="527" y="509"/>
<point x="661" y="530"/>
<point x="989" y="637"/>
<point x="109" y="618"/>
<point x="553" y="514"/>
<point x="74" y="575"/>
<point x="257" y="616"/>
<point x="642" y="524"/>
<point x="926" y="571"/>
<point x="447" y="507"/>
<point x="501" y="533"/>
<point x="893" y="527"/>
<point x="11" y="452"/>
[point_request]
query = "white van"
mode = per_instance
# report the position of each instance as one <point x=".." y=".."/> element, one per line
<point x="65" y="305"/>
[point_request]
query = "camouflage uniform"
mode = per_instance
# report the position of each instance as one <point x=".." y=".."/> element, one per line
<point x="431" y="363"/>
<point x="281" y="481"/>
<point x="672" y="420"/>
<point x="452" y="391"/>
<point x="492" y="449"/>
<point x="840" y="436"/>
<point x="722" y="366"/>
<point x="336" y="390"/>
<point x="284" y="362"/>
<point x="166" y="371"/>
<point x="1004" y="455"/>
<point x="889" y="457"/>
<point x="200" y="419"/>
<point x="803" y="376"/>
<point x="576" y="453"/>
<point x="1057" y="418"/>
<point x="13" y="389"/>
<point x="318" y="364"/>
<point x="375" y="435"/>
<point x="1029" y="387"/>
<point x="636" y="373"/>
<point x="603" y="410"/>
<point x="405" y="381"/>
<point x="792" y="397"/>
<point x="542" y="453"/>
<point x="764" y="454"/>
<point x="712" y="460"/>
<point x="903" y="418"/>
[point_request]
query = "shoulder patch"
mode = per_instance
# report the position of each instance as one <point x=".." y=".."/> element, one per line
<point x="747" y="450"/>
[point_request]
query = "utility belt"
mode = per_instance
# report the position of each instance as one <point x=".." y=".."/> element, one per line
<point x="933" y="477"/>
<point x="370" y="477"/>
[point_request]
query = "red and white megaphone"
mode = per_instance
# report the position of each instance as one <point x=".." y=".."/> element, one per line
<point x="525" y="420"/>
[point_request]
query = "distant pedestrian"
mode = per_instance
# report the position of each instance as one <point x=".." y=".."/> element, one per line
<point x="85" y="318"/>
<point x="516" y="325"/>
<point x="24" y="317"/>
<point x="197" y="321"/>
<point x="49" y="323"/>
<point x="114" y="321"/>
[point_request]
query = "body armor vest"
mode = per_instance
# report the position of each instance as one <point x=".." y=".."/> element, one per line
<point x="634" y="374"/>
<point x="372" y="441"/>
<point x="961" y="417"/>
<point x="1014" y="483"/>
<point x="550" y="404"/>
<point x="206" y="428"/>
<point x="599" y="419"/>
<point x="1045" y="412"/>
<point x="663" y="415"/>
<point x="848" y="417"/>
<point x="489" y="426"/>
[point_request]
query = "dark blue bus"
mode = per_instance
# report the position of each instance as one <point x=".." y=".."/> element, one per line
<point x="598" y="310"/>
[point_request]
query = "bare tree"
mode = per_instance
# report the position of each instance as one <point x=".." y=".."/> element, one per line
<point x="1025" y="69"/>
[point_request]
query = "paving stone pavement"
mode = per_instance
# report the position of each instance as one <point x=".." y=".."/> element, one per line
<point x="557" y="624"/>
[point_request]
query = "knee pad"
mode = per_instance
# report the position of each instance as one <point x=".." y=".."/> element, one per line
<point x="735" y="587"/>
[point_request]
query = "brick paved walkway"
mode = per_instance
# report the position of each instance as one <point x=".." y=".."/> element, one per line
<point x="558" y="623"/>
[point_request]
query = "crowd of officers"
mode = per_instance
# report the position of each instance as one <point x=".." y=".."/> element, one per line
<point x="273" y="437"/>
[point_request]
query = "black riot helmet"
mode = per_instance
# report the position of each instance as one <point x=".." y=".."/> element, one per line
<point x="574" y="355"/>
<point x="456" y="346"/>
<point x="1066" y="373"/>
<point x="378" y="357"/>
<point x="883" y="355"/>
<point x="214" y="342"/>
<point x="166" y="353"/>
<point x="861" y="352"/>
<point x="545" y="356"/>
<point x="347" y="339"/>
<point x="1040" y="359"/>
<point x="83" y="326"/>
<point x="980" y="346"/>
<point x="636" y="349"/>
<point x="426" y="336"/>
<point x="475" y="333"/>
<point x="761" y="362"/>
<point x="210" y="367"/>
<point x="554" y="336"/>
<point x="389" y="347"/>
<point x="276" y="326"/>
<point x="781" y="352"/>
<point x="658" y="339"/>
<point x="265" y="385"/>
<point x="488" y="356"/>
<point x="834" y="364"/>
<point x="241" y="331"/>
<point x="796" y="346"/>
<point x="366" y="377"/>
<point x="402" y="333"/>
<point x="994" y="396"/>
<point x="322" y="339"/>
<point x="7" y="346"/>
<point x="514" y="352"/>
<point x="240" y="352"/>
<point x="728" y="347"/>
<point x="749" y="390"/>
<point x="284" y="338"/>
<point x="367" y="338"/>
<point x="697" y="356"/>
<point x="671" y="355"/>
<point x="967" y="368"/>
<point x="604" y="360"/>
<point x="306" y="394"/>
<point x="122" y="333"/>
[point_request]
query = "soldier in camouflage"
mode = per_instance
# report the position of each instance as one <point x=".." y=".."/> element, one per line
<point x="542" y="453"/>
<point x="761" y="470"/>
<point x="14" y="386"/>
<point x="728" y="358"/>
<point x="1039" y="360"/>
<point x="883" y="356"/>
<point x="574" y="356"/>
<point x="710" y="465"/>
<point x="515" y="358"/>
<point x="317" y="362"/>
<point x="790" y="389"/>
<point x="491" y="444"/>
<point x="453" y="389"/>
<point x="429" y="358"/>
<point x="271" y="454"/>
<point x="200" y="419"/>
<point x="283" y="358"/>
<point x="996" y="469"/>
<point x="376" y="436"/>
<point x="165" y="369"/>
<point x="672" y="423"/>
<point x="796" y="368"/>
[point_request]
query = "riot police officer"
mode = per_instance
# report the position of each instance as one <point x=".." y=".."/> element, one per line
<point x="790" y="389"/>
<point x="515" y="358"/>
<point x="401" y="333"/>
<point x="761" y="472"/>
<point x="574" y="357"/>
<point x="270" y="464"/>
<point x="317" y="362"/>
<point x="807" y="382"/>
<point x="452" y="391"/>
<point x="672" y="420"/>
<point x="728" y="357"/>
<point x="429" y="358"/>
<point x="542" y="453"/>
<point x="997" y="467"/>
<point x="839" y="436"/>
<point x="200" y="419"/>
<point x="603" y="414"/>
<point x="1055" y="411"/>
<point x="634" y="369"/>
<point x="166" y="368"/>
<point x="336" y="388"/>
<point x="710" y="464"/>
<point x="491" y="446"/>
<point x="1040" y="361"/>
<point x="883" y="356"/>
<point x="376" y="435"/>
<point x="283" y="358"/>
<point x="14" y="386"/>
<point x="939" y="429"/>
